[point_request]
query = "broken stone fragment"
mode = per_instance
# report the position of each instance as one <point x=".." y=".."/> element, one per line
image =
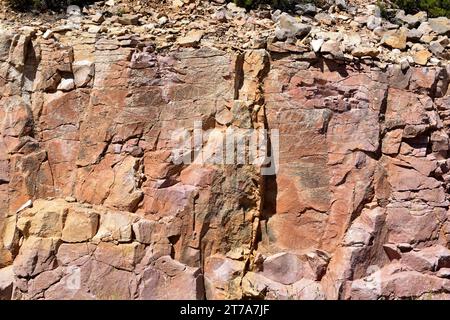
<point x="436" y="48"/>
<point x="26" y="205"/>
<point x="444" y="273"/>
<point x="324" y="18"/>
<point x="73" y="10"/>
<point x="47" y="34"/>
<point x="116" y="226"/>
<point x="290" y="27"/>
<point x="191" y="39"/>
<point x="123" y="256"/>
<point x="318" y="261"/>
<point x="363" y="51"/>
<point x="357" y="237"/>
<point x="144" y="231"/>
<point x="98" y="18"/>
<point x="177" y="3"/>
<point x="256" y="286"/>
<point x="307" y="289"/>
<point x="222" y="273"/>
<point x="392" y="140"/>
<point x="306" y="8"/>
<point x="44" y="219"/>
<point x="333" y="47"/>
<point x="125" y="194"/>
<point x="234" y="8"/>
<point x="421" y="57"/>
<point x="412" y="20"/>
<point x="83" y="72"/>
<point x="373" y="22"/>
<point x="10" y="234"/>
<point x="424" y="28"/>
<point x="19" y="49"/>
<point x="6" y="38"/>
<point x="341" y="4"/>
<point x="440" y="141"/>
<point x="178" y="281"/>
<point x="163" y="20"/>
<point x="70" y="199"/>
<point x="80" y="225"/>
<point x="6" y="283"/>
<point x="284" y="267"/>
<point x="36" y="255"/>
<point x="396" y="39"/>
<point x="392" y="251"/>
<point x="94" y="29"/>
<point x="128" y="19"/>
<point x="428" y="259"/>
<point x="316" y="44"/>
<point x="390" y="280"/>
<point x="414" y="35"/>
<point x="404" y="247"/>
<point x="66" y="85"/>
<point x="440" y="25"/>
<point x="220" y="15"/>
<point x="224" y="116"/>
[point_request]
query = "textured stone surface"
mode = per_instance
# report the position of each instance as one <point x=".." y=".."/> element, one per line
<point x="357" y="208"/>
<point x="6" y="283"/>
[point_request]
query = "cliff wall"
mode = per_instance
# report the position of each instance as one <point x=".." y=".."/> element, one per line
<point x="94" y="206"/>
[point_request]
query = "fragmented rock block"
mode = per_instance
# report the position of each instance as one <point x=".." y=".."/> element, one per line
<point x="6" y="283"/>
<point x="285" y="268"/>
<point x="80" y="225"/>
<point x="116" y="226"/>
<point x="83" y="72"/>
<point x="36" y="255"/>
<point x="169" y="279"/>
<point x="222" y="278"/>
<point x="428" y="259"/>
<point x="45" y="219"/>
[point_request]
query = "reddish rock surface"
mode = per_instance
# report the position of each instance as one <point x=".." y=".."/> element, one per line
<point x="357" y="208"/>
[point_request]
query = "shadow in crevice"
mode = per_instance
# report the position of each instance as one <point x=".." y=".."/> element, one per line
<point x="269" y="204"/>
<point x="269" y="187"/>
<point x="324" y="64"/>
<point x="31" y="65"/>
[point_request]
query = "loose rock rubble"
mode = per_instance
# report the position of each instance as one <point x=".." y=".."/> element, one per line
<point x="347" y="32"/>
<point x="94" y="207"/>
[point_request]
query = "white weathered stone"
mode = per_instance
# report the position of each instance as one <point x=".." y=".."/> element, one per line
<point x="83" y="72"/>
<point x="27" y="204"/>
<point x="316" y="44"/>
<point x="73" y="10"/>
<point x="66" y="85"/>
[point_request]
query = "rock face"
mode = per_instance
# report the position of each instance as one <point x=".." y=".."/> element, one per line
<point x="95" y="206"/>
